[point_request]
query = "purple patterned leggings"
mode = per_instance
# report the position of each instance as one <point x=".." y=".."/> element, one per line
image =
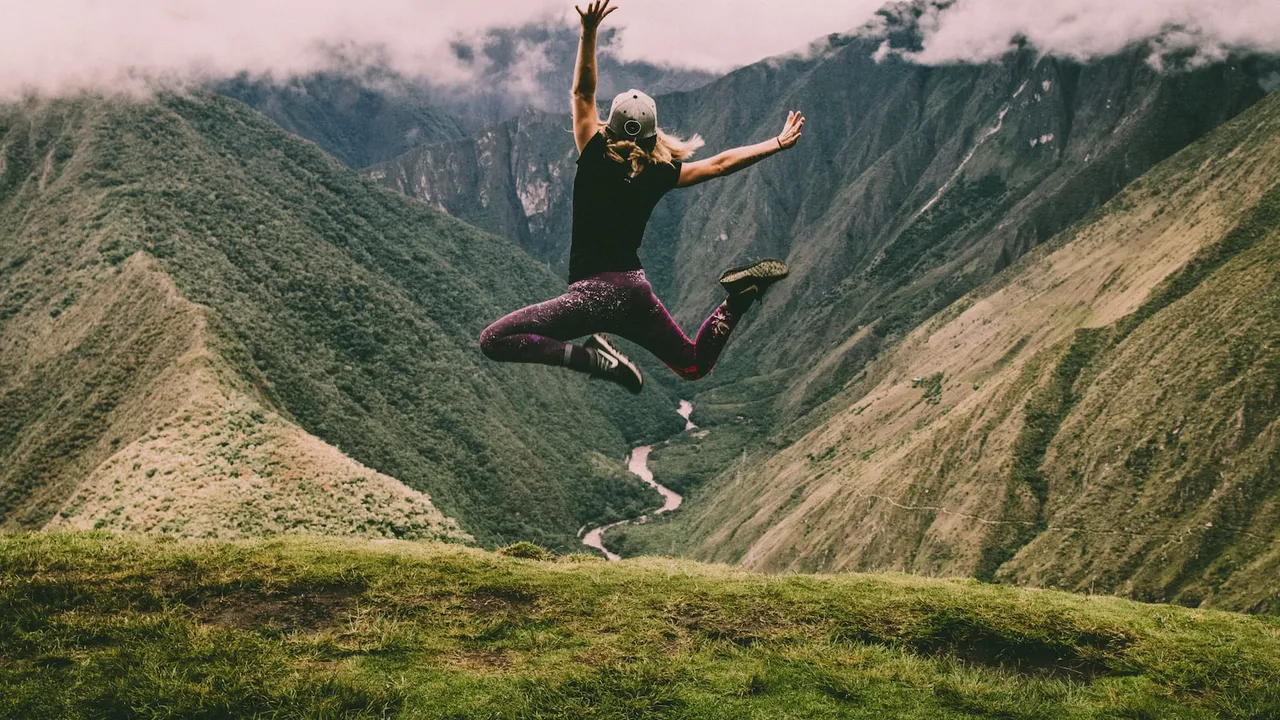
<point x="619" y="303"/>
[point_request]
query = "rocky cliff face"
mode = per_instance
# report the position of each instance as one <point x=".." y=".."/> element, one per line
<point x="514" y="179"/>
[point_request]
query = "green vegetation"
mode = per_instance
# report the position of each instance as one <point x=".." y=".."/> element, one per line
<point x="921" y="245"/>
<point x="931" y="388"/>
<point x="526" y="550"/>
<point x="1042" y="417"/>
<point x="685" y="465"/>
<point x="1183" y="393"/>
<point x="1216" y="280"/>
<point x="1257" y="225"/>
<point x="689" y="461"/>
<point x="1096" y="347"/>
<point x="102" y="626"/>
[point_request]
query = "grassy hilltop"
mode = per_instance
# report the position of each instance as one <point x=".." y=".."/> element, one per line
<point x="105" y="626"/>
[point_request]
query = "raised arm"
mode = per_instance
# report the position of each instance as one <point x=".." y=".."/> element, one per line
<point x="731" y="161"/>
<point x="586" y="119"/>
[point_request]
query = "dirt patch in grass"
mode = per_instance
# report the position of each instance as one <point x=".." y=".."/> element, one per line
<point x="300" y="609"/>
<point x="481" y="659"/>
<point x="487" y="600"/>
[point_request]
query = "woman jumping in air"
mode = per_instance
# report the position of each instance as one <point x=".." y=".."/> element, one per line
<point x="625" y="166"/>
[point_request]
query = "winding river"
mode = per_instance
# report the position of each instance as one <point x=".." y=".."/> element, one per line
<point x="638" y="464"/>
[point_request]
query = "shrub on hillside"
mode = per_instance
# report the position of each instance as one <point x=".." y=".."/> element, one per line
<point x="526" y="551"/>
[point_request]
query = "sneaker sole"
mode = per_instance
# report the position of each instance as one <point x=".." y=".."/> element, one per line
<point x="763" y="270"/>
<point x="608" y="347"/>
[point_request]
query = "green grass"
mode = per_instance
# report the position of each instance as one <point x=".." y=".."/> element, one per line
<point x="105" y="626"/>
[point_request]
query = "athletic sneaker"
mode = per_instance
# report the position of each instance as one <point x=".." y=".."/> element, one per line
<point x="609" y="364"/>
<point x="750" y="281"/>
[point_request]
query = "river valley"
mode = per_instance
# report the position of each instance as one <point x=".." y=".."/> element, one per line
<point x="638" y="464"/>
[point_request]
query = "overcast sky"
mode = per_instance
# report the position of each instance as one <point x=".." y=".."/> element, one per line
<point x="59" y="45"/>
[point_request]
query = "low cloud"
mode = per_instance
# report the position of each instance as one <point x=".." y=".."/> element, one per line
<point x="55" y="46"/>
<point x="981" y="30"/>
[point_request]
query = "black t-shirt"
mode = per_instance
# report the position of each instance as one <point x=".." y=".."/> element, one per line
<point x="611" y="209"/>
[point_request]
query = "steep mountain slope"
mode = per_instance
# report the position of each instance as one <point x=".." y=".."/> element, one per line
<point x="360" y="119"/>
<point x="1102" y="416"/>
<point x="513" y="179"/>
<point x="187" y="289"/>
<point x="913" y="185"/>
<point x="207" y="456"/>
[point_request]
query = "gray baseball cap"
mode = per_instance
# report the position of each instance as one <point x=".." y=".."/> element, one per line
<point x="633" y="116"/>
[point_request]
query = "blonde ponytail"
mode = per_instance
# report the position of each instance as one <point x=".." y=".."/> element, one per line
<point x="667" y="148"/>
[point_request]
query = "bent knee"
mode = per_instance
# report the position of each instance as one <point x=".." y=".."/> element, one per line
<point x="489" y="341"/>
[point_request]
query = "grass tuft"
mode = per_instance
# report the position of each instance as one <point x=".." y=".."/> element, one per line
<point x="526" y="551"/>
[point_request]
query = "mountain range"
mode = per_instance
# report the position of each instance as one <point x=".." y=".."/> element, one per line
<point x="913" y="185"/>
<point x="1027" y="336"/>
<point x="210" y="327"/>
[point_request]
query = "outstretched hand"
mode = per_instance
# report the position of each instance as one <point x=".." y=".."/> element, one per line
<point x="791" y="131"/>
<point x="595" y="13"/>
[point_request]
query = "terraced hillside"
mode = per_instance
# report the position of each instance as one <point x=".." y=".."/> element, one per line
<point x="208" y="327"/>
<point x="1102" y="416"/>
<point x="113" y="627"/>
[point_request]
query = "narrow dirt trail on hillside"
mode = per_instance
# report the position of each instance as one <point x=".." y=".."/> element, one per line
<point x="638" y="464"/>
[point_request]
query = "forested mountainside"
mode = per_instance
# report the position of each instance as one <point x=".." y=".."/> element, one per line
<point x="1102" y="416"/>
<point x="209" y="327"/>
<point x="913" y="185"/>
